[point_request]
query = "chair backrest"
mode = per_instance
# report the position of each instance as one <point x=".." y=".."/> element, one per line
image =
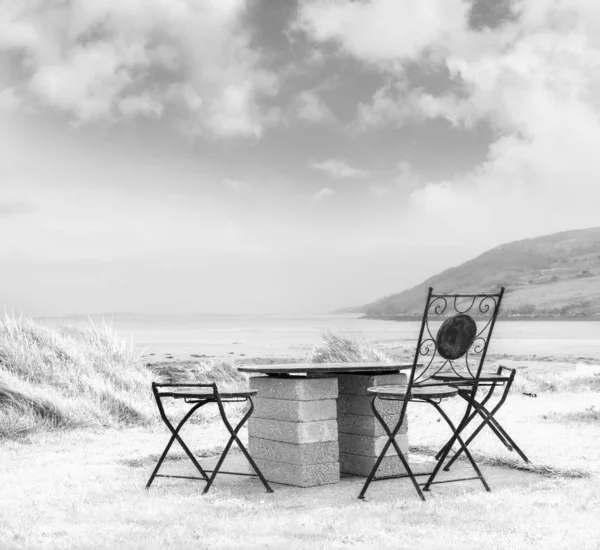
<point x="455" y="333"/>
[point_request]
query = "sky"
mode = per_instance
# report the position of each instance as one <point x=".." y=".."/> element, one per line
<point x="271" y="156"/>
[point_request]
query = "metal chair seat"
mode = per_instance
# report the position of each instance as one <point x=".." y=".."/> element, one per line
<point x="417" y="392"/>
<point x="467" y="378"/>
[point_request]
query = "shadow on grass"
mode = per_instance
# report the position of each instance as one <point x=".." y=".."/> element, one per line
<point x="151" y="459"/>
<point x="543" y="469"/>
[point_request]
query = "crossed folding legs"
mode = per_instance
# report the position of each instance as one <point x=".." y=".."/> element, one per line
<point x="480" y="409"/>
<point x="443" y="454"/>
<point x="197" y="399"/>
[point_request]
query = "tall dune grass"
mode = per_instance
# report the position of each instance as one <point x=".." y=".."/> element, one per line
<point x="222" y="371"/>
<point x="342" y="349"/>
<point x="68" y="378"/>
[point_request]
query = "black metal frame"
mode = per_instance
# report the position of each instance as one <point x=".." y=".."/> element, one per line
<point x="486" y="414"/>
<point x="198" y="401"/>
<point x="486" y="305"/>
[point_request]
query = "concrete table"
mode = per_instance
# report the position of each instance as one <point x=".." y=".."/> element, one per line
<point x="313" y="421"/>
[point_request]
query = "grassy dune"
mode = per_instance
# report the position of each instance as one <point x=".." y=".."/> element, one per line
<point x="73" y="378"/>
<point x="68" y="378"/>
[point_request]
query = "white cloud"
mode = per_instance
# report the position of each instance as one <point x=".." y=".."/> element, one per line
<point x="535" y="79"/>
<point x="102" y="60"/>
<point x="185" y="94"/>
<point x="141" y="105"/>
<point x="383" y="31"/>
<point x="338" y="169"/>
<point x="322" y="194"/>
<point x="311" y="108"/>
<point x="396" y="103"/>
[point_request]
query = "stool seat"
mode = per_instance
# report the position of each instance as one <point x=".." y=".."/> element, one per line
<point x="209" y="394"/>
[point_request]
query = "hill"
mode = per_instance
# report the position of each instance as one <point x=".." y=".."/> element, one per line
<point x="555" y="275"/>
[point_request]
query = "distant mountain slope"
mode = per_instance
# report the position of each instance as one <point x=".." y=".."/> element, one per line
<point x="554" y="275"/>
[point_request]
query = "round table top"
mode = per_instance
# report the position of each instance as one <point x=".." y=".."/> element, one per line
<point x="324" y="368"/>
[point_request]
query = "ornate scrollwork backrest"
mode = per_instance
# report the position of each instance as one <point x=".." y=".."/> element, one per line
<point x="455" y="333"/>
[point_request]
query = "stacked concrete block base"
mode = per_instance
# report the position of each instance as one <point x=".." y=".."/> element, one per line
<point x="361" y="436"/>
<point x="293" y="432"/>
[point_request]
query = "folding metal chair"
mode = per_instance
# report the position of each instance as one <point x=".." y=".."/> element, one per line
<point x="459" y="339"/>
<point x="198" y="395"/>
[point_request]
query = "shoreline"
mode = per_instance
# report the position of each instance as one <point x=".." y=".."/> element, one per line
<point x="521" y="362"/>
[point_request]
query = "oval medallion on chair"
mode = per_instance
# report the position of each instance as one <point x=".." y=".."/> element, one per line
<point x="456" y="336"/>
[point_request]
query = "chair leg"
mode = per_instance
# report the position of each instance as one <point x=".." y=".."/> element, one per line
<point x="498" y="430"/>
<point x="456" y="437"/>
<point x="175" y="436"/>
<point x="249" y="458"/>
<point x="488" y="419"/>
<point x="234" y="437"/>
<point x="391" y="441"/>
<point x="482" y="411"/>
<point x="468" y="420"/>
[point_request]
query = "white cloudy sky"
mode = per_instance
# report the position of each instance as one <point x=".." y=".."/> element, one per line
<point x="271" y="156"/>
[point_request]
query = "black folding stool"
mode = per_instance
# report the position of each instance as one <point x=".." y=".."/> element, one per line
<point x="458" y="339"/>
<point x="198" y="397"/>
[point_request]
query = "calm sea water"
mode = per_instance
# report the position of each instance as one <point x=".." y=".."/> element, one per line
<point x="294" y="336"/>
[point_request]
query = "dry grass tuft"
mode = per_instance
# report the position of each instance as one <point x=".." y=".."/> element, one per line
<point x="537" y="381"/>
<point x="590" y="415"/>
<point x="340" y="349"/>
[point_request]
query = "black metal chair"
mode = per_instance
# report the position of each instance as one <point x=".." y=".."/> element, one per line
<point x="198" y="395"/>
<point x="459" y="339"/>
